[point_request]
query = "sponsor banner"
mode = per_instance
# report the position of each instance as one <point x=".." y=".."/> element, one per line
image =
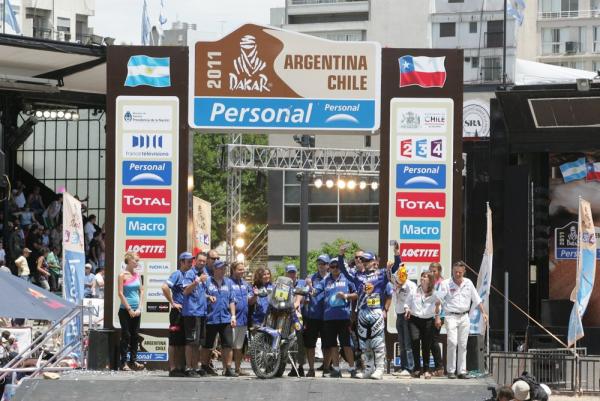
<point x="421" y="176"/>
<point x="147" y="173"/>
<point x="421" y="148"/>
<point x="157" y="307"/>
<point x="421" y="121"/>
<point x="147" y="248"/>
<point x="417" y="252"/>
<point x="202" y="218"/>
<point x="148" y="146"/>
<point x="420" y="230"/>
<point x="146" y="226"/>
<point x="153" y="349"/>
<point x="147" y="118"/>
<point x="154" y="294"/>
<point x="158" y="267"/>
<point x="156" y="280"/>
<point x="255" y="78"/>
<point x="476" y="119"/>
<point x="566" y="240"/>
<point x="146" y="201"/>
<point x="420" y="204"/>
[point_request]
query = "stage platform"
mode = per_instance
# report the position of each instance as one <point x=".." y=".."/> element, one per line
<point x="157" y="386"/>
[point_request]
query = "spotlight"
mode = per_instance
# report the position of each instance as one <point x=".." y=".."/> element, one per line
<point x="53" y="114"/>
<point x="39" y="114"/>
<point x="374" y="185"/>
<point x="60" y="114"/>
<point x="341" y="183"/>
<point x="239" y="243"/>
<point x="351" y="184"/>
<point x="75" y="116"/>
<point x="46" y="114"/>
<point x="240" y="257"/>
<point x="240" y="228"/>
<point x="68" y="115"/>
<point x="329" y="183"/>
<point x="318" y="183"/>
<point x="362" y="184"/>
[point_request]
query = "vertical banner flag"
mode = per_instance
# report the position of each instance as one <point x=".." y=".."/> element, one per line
<point x="484" y="280"/>
<point x="10" y="20"/>
<point x="586" y="271"/>
<point x="73" y="262"/>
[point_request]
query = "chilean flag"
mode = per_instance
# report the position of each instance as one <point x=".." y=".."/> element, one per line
<point x="426" y="72"/>
<point x="593" y="172"/>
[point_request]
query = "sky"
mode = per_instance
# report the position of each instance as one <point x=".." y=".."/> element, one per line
<point x="121" y="19"/>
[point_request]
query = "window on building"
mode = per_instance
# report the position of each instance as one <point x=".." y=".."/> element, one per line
<point x="456" y="1"/>
<point x="474" y="62"/>
<point x="559" y="8"/>
<point x="568" y="40"/>
<point x="492" y="69"/>
<point x="330" y="205"/>
<point x="447" y="29"/>
<point x="63" y="26"/>
<point x="596" y="39"/>
<point x="493" y="35"/>
<point x="473" y="27"/>
<point x="342" y="36"/>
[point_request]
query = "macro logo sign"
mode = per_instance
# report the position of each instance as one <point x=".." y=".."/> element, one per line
<point x="420" y="204"/>
<point x="147" y="248"/>
<point x="420" y="230"/>
<point x="147" y="173"/>
<point x="151" y="146"/>
<point x="146" y="201"/>
<point x="421" y="176"/>
<point x="421" y="148"/>
<point x="255" y="78"/>
<point x="146" y="226"/>
<point x="418" y="252"/>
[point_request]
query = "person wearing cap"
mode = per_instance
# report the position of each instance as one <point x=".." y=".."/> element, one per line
<point x="458" y="296"/>
<point x="520" y="389"/>
<point x="221" y="317"/>
<point x="336" y="292"/>
<point x="194" y="311"/>
<point x="243" y="294"/>
<point x="23" y="266"/>
<point x="89" y="282"/>
<point x="291" y="272"/>
<point x="172" y="290"/>
<point x="372" y="287"/>
<point x="313" y="316"/>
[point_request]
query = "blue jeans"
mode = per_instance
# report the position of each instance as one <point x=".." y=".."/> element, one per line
<point x="26" y="278"/>
<point x="406" y="354"/>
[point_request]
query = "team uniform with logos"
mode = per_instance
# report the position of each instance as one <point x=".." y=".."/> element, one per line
<point x="218" y="320"/>
<point x="336" y="311"/>
<point x="176" y="324"/>
<point x="313" y="316"/>
<point x="241" y="292"/>
<point x="260" y="308"/>
<point x="194" y="309"/>
<point x="371" y="287"/>
<point x="457" y="301"/>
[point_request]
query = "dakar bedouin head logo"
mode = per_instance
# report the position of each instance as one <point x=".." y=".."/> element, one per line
<point x="248" y="66"/>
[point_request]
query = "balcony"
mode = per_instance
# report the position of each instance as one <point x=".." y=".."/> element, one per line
<point x="560" y="15"/>
<point x="303" y="2"/>
<point x="561" y="48"/>
<point x="316" y="7"/>
<point x="42" y="33"/>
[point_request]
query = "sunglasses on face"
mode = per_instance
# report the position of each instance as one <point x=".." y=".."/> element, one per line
<point x="214" y="258"/>
<point x="333" y="266"/>
<point x="357" y="258"/>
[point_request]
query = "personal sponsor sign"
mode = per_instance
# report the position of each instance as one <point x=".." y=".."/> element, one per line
<point x="566" y="240"/>
<point x="153" y="349"/>
<point x="420" y="180"/>
<point x="146" y="198"/>
<point x="255" y="78"/>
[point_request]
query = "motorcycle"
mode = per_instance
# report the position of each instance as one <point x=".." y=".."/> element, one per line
<point x="273" y="341"/>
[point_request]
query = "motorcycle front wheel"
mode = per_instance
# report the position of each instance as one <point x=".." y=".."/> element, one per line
<point x="266" y="362"/>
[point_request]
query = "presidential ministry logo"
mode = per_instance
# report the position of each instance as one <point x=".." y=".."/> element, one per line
<point x="410" y="120"/>
<point x="248" y="66"/>
<point x="128" y="117"/>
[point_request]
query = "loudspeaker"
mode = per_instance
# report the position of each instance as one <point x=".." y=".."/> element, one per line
<point x="99" y="355"/>
<point x="556" y="312"/>
<point x="476" y="353"/>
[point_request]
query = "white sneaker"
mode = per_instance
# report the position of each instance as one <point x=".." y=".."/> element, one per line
<point x="377" y="375"/>
<point x="404" y="373"/>
<point x="364" y="374"/>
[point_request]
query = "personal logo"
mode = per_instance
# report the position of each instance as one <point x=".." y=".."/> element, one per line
<point x="146" y="226"/>
<point x="420" y="204"/>
<point x="147" y="173"/>
<point x="146" y="201"/>
<point x="248" y="66"/>
<point x="151" y="146"/>
<point x="420" y="230"/>
<point x="420" y="252"/>
<point x="147" y="248"/>
<point x="148" y="71"/>
<point x="421" y="176"/>
<point x="421" y="148"/>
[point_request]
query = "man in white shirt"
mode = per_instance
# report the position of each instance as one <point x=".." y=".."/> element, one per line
<point x="458" y="295"/>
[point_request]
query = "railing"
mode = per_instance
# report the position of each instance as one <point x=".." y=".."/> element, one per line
<point x="567" y="47"/>
<point x="304" y="2"/>
<point x="42" y="33"/>
<point x="559" y="369"/>
<point x="568" y="14"/>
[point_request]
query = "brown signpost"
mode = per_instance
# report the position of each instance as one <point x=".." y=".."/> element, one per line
<point x="426" y="136"/>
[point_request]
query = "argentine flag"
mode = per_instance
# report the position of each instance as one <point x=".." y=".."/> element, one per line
<point x="150" y="71"/>
<point x="572" y="171"/>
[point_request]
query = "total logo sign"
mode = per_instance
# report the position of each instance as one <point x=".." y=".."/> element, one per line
<point x="421" y="176"/>
<point x="421" y="148"/>
<point x="147" y="248"/>
<point x="420" y="204"/>
<point x="146" y="173"/>
<point x="146" y="201"/>
<point x="410" y="252"/>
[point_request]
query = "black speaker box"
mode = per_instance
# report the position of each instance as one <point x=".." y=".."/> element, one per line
<point x="99" y="354"/>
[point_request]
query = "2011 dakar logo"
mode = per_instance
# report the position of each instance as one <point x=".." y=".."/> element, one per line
<point x="248" y="66"/>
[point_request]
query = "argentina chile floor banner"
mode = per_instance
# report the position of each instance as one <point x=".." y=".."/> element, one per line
<point x="73" y="265"/>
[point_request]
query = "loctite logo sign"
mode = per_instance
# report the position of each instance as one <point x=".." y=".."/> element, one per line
<point x="146" y="201"/>
<point x="420" y="204"/>
<point x="420" y="252"/>
<point x="147" y="248"/>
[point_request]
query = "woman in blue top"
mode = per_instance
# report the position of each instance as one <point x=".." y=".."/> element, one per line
<point x="130" y="294"/>
<point x="262" y="278"/>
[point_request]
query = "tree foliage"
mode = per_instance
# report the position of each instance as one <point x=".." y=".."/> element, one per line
<point x="210" y="184"/>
